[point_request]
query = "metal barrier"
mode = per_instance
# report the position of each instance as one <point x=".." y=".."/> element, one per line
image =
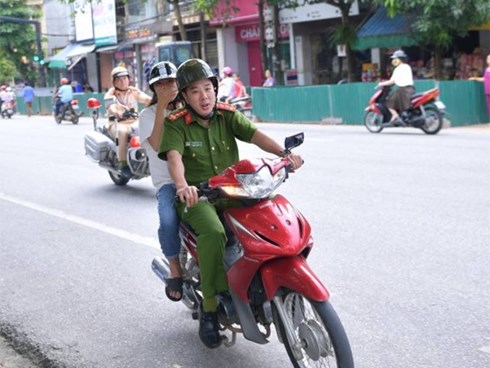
<point x="326" y="104"/>
<point x="345" y="103"/>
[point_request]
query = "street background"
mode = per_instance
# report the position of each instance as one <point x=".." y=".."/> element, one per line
<point x="400" y="221"/>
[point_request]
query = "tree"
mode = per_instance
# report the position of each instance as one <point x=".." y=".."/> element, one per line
<point x="7" y="71"/>
<point x="439" y="21"/>
<point x="18" y="41"/>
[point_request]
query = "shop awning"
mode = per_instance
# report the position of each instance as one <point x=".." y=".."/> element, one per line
<point x="78" y="51"/>
<point x="382" y="31"/>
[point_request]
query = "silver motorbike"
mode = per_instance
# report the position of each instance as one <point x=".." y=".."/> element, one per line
<point x="101" y="147"/>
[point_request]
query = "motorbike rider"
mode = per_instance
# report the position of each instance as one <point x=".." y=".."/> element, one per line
<point x="119" y="101"/>
<point x="164" y="87"/>
<point x="226" y="85"/>
<point x="402" y="77"/>
<point x="63" y="96"/>
<point x="239" y="90"/>
<point x="200" y="141"/>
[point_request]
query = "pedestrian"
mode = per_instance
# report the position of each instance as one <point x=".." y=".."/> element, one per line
<point x="161" y="81"/>
<point x="270" y="81"/>
<point x="28" y="94"/>
<point x="200" y="141"/>
<point x="486" y="83"/>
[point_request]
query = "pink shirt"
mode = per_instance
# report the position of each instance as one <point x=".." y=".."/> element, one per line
<point x="486" y="81"/>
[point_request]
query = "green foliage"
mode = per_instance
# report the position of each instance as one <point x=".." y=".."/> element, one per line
<point x="7" y="70"/>
<point x="441" y="20"/>
<point x="18" y="39"/>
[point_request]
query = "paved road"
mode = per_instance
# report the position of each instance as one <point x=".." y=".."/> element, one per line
<point x="400" y="221"/>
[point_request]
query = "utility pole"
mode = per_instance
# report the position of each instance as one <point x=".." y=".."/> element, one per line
<point x="37" y="25"/>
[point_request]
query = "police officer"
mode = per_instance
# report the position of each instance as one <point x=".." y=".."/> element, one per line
<point x="200" y="142"/>
<point x="119" y="99"/>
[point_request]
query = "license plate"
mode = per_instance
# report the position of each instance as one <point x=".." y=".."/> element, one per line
<point x="440" y="105"/>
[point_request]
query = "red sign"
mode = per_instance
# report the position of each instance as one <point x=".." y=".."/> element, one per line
<point x="251" y="32"/>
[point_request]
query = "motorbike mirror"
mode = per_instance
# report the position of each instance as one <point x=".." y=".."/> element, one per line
<point x="294" y="141"/>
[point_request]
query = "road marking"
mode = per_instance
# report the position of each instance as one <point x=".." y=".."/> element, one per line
<point x="485" y="349"/>
<point x="123" y="234"/>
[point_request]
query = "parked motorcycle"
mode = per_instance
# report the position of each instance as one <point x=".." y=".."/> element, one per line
<point x="8" y="109"/>
<point x="101" y="147"/>
<point x="270" y="282"/>
<point x="425" y="112"/>
<point x="68" y="112"/>
<point x="244" y="105"/>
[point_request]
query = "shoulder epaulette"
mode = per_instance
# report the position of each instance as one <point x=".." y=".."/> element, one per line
<point x="225" y="106"/>
<point x="177" y="114"/>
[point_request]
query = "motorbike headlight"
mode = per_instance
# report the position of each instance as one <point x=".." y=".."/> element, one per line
<point x="257" y="185"/>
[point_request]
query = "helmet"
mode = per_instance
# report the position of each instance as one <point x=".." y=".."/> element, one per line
<point x="227" y="71"/>
<point x="9" y="89"/>
<point x="119" y="71"/>
<point x="160" y="71"/>
<point x="64" y="81"/>
<point x="193" y="70"/>
<point x="4" y="87"/>
<point x="398" y="54"/>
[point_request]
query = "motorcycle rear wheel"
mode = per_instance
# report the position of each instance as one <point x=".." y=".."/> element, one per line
<point x="373" y="121"/>
<point x="118" y="179"/>
<point x="323" y="338"/>
<point x="74" y="119"/>
<point x="433" y="120"/>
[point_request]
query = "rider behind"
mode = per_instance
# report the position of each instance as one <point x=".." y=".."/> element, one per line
<point x="119" y="100"/>
<point x="200" y="141"/>
<point x="402" y="77"/>
<point x="64" y="94"/>
<point x="162" y="83"/>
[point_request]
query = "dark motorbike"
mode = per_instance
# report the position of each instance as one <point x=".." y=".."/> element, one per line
<point x="244" y="105"/>
<point x="265" y="259"/>
<point x="425" y="112"/>
<point x="101" y="147"/>
<point x="68" y="111"/>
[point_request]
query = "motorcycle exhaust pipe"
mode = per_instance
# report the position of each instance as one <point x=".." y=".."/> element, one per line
<point x="160" y="268"/>
<point x="138" y="154"/>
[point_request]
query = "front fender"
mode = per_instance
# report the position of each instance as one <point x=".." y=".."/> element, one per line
<point x="295" y="274"/>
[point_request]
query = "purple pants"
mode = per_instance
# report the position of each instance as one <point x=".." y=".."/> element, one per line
<point x="487" y="97"/>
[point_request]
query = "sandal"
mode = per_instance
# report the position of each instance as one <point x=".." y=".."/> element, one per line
<point x="174" y="285"/>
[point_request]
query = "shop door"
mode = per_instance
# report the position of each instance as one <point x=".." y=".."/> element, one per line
<point x="254" y="64"/>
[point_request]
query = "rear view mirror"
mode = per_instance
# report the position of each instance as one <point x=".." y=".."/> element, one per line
<point x="294" y="141"/>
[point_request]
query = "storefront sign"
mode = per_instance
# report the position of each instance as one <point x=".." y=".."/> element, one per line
<point x="306" y="13"/>
<point x="251" y="32"/>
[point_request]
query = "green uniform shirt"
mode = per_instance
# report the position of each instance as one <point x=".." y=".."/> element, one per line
<point x="206" y="150"/>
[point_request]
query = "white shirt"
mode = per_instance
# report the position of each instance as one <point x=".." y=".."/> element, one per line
<point x="226" y="87"/>
<point x="158" y="167"/>
<point x="402" y="75"/>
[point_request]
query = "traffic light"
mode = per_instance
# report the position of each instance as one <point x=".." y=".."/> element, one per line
<point x="35" y="58"/>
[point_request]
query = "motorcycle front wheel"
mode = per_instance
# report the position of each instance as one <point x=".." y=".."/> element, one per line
<point x="118" y="179"/>
<point x="316" y="325"/>
<point x="433" y="120"/>
<point x="373" y="122"/>
<point x="58" y="118"/>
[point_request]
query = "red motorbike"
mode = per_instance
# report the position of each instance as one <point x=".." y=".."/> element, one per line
<point x="425" y="112"/>
<point x="270" y="281"/>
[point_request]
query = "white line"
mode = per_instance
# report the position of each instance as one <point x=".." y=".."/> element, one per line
<point x="123" y="234"/>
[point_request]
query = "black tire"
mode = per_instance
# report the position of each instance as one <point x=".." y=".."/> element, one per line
<point x="74" y="119"/>
<point x="324" y="342"/>
<point x="433" y="120"/>
<point x="118" y="179"/>
<point x="373" y="121"/>
<point x="58" y="119"/>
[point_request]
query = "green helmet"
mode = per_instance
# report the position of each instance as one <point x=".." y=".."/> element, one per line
<point x="193" y="70"/>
